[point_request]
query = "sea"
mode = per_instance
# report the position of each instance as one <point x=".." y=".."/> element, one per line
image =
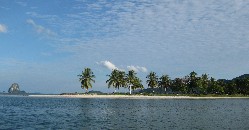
<point x="28" y="113"/>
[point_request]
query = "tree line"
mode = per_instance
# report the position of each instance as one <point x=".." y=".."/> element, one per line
<point x="190" y="84"/>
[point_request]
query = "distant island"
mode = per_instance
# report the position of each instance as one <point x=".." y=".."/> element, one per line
<point x="14" y="89"/>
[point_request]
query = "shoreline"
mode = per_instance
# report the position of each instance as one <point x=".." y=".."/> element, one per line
<point x="133" y="97"/>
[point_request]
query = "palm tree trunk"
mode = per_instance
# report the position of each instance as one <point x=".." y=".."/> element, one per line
<point x="130" y="89"/>
<point x="86" y="90"/>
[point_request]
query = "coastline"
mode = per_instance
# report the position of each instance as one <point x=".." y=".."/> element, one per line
<point x="133" y="97"/>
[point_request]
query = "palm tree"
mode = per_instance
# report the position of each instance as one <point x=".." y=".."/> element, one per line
<point x="137" y="83"/>
<point x="164" y="82"/>
<point x="121" y="79"/>
<point x="130" y="77"/>
<point x="192" y="81"/>
<point x="152" y="80"/>
<point x="116" y="79"/>
<point x="179" y="85"/>
<point x="86" y="78"/>
<point x="133" y="81"/>
<point x="204" y="79"/>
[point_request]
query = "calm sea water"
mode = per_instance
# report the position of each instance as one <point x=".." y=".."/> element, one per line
<point x="73" y="113"/>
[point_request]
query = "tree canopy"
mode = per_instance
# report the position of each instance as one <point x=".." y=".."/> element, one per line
<point x="152" y="80"/>
<point x="189" y="84"/>
<point x="86" y="78"/>
<point x="116" y="79"/>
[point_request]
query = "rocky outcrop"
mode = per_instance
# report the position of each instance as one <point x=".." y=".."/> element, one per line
<point x="14" y="88"/>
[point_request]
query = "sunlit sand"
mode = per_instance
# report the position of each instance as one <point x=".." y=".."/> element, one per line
<point x="130" y="97"/>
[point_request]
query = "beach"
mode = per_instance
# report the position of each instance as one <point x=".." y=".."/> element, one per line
<point x="131" y="97"/>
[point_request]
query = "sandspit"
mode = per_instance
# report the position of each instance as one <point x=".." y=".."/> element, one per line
<point x="131" y="97"/>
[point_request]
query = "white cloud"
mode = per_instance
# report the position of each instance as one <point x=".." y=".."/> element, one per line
<point x="108" y="65"/>
<point x="132" y="68"/>
<point x="30" y="21"/>
<point x="143" y="69"/>
<point x="3" y="28"/>
<point x="22" y="4"/>
<point x="167" y="33"/>
<point x="40" y="29"/>
<point x="137" y="68"/>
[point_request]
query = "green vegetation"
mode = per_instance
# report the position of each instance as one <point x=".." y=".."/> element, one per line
<point x="133" y="81"/>
<point x="190" y="85"/>
<point x="119" y="79"/>
<point x="86" y="78"/>
<point x="204" y="85"/>
<point x="164" y="82"/>
<point x="152" y="80"/>
<point x="116" y="79"/>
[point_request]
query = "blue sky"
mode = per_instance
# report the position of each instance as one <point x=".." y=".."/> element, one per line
<point x="45" y="44"/>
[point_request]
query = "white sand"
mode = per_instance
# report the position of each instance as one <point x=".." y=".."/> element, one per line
<point x="130" y="97"/>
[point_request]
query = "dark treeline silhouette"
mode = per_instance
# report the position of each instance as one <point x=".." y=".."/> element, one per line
<point x="194" y="84"/>
<point x="190" y="84"/>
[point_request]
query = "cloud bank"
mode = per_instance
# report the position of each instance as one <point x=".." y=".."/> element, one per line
<point x="137" y="68"/>
<point x="109" y="65"/>
<point x="3" y="28"/>
<point x="40" y="29"/>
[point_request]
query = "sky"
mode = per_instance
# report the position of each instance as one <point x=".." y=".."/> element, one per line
<point x="45" y="44"/>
